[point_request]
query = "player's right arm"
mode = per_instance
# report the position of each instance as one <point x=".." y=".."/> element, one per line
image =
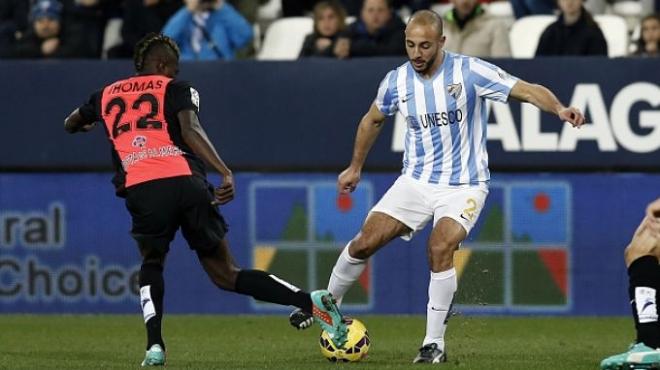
<point x="76" y="123"/>
<point x="385" y="104"/>
<point x="84" y="118"/>
<point x="367" y="132"/>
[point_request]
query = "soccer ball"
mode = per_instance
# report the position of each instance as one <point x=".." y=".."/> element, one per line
<point x="356" y="347"/>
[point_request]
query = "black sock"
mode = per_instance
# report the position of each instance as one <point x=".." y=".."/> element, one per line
<point x="152" y="290"/>
<point x="644" y="288"/>
<point x="269" y="288"/>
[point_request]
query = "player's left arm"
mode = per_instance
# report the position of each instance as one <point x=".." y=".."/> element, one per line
<point x="84" y="118"/>
<point x="183" y="99"/>
<point x="544" y="99"/>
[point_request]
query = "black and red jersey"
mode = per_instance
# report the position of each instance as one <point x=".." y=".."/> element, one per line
<point x="140" y="118"/>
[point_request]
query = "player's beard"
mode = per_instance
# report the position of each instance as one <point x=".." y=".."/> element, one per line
<point x="423" y="68"/>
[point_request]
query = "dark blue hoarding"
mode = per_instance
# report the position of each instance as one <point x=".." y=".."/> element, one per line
<point x="303" y="115"/>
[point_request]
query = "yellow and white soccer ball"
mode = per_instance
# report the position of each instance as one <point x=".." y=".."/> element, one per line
<point x="356" y="347"/>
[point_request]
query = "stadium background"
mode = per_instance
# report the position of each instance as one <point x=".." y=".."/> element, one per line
<point x="550" y="240"/>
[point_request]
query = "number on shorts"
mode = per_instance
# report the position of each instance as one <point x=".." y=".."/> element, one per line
<point x="471" y="209"/>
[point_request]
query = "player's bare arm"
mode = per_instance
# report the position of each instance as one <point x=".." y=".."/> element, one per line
<point x="545" y="100"/>
<point x="76" y="123"/>
<point x="367" y="132"/>
<point x="194" y="135"/>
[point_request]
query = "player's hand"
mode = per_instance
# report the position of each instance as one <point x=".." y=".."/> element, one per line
<point x="572" y="115"/>
<point x="348" y="180"/>
<point x="225" y="192"/>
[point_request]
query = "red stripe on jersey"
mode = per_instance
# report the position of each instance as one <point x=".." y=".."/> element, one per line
<point x="134" y="114"/>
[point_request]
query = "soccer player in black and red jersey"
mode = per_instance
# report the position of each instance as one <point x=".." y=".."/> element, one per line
<point x="641" y="257"/>
<point x="159" y="150"/>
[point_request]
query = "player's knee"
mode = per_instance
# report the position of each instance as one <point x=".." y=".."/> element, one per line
<point x="154" y="257"/>
<point x="442" y="248"/>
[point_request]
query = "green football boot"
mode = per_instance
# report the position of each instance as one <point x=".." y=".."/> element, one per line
<point x="327" y="314"/>
<point x="155" y="356"/>
<point x="638" y="357"/>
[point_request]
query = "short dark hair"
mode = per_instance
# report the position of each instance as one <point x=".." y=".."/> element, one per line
<point x="428" y="17"/>
<point x="150" y="43"/>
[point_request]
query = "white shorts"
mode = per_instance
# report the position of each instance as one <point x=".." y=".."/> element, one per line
<point x="414" y="203"/>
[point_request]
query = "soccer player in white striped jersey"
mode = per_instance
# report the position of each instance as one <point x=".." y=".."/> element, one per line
<point x="445" y="164"/>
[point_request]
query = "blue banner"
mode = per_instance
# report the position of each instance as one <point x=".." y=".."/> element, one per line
<point x="550" y="244"/>
<point x="303" y="115"/>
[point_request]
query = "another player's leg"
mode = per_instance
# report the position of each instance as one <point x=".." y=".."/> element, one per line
<point x="152" y="291"/>
<point x="378" y="229"/>
<point x="641" y="257"/>
<point x="444" y="241"/>
<point x="218" y="264"/>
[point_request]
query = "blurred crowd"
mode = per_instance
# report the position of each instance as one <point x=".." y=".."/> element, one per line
<point x="229" y="29"/>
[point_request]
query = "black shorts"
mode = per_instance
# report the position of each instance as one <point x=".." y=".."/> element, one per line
<point x="159" y="207"/>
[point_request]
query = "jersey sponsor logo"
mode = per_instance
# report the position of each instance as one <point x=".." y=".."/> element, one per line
<point x="194" y="97"/>
<point x="455" y="90"/>
<point x="160" y="152"/>
<point x="436" y="119"/>
<point x="139" y="141"/>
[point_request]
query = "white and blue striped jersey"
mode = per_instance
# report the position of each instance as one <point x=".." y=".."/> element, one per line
<point x="445" y="117"/>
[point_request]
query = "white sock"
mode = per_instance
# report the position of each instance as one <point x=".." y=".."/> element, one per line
<point x="346" y="271"/>
<point x="442" y="287"/>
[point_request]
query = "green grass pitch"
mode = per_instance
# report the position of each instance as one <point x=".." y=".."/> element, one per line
<point x="267" y="342"/>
